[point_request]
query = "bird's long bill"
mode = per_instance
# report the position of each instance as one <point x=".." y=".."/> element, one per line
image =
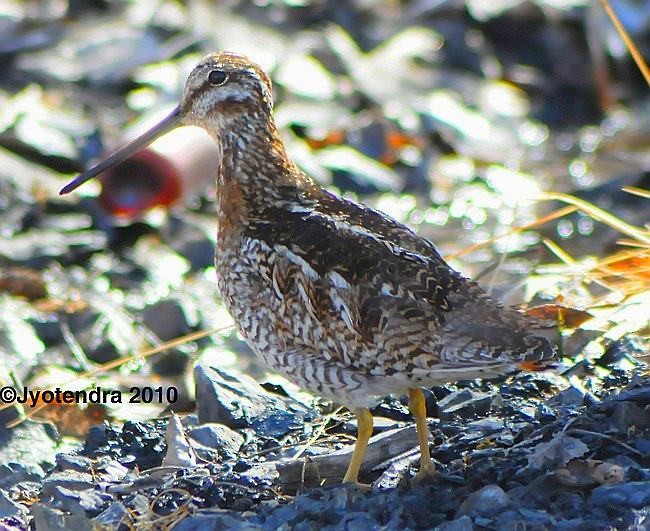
<point x="165" y="125"/>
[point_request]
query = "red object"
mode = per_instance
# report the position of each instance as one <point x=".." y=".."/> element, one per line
<point x="144" y="181"/>
<point x="172" y="168"/>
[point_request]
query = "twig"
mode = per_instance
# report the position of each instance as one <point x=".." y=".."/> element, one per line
<point x="629" y="43"/>
<point x="579" y="431"/>
<point x="118" y="362"/>
<point x="331" y="466"/>
<point x="559" y="213"/>
<point x="634" y="190"/>
<point x="321" y="429"/>
<point x="600" y="215"/>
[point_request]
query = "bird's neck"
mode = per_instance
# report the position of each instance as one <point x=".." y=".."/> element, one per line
<point x="254" y="159"/>
<point x="255" y="172"/>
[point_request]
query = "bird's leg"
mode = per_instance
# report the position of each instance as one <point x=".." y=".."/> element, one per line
<point x="364" y="431"/>
<point x="419" y="411"/>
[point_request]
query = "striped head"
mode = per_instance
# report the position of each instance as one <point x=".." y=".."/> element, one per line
<point x="223" y="87"/>
<point x="224" y="92"/>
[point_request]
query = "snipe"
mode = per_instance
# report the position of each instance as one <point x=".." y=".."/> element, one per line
<point x="341" y="299"/>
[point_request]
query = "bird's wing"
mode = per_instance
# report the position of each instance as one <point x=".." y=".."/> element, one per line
<point x="393" y="289"/>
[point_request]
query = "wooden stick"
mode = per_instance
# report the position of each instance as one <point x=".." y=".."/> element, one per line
<point x="332" y="466"/>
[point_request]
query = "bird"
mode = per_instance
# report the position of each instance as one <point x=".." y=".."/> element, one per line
<point x="340" y="298"/>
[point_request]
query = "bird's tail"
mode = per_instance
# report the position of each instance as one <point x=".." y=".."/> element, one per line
<point x="546" y="332"/>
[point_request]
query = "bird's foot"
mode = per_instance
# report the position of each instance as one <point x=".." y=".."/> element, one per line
<point x="357" y="485"/>
<point x="426" y="474"/>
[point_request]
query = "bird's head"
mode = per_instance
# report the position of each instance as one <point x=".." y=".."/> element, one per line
<point x="221" y="89"/>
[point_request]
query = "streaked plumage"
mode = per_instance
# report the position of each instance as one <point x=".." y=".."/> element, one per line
<point x="341" y="299"/>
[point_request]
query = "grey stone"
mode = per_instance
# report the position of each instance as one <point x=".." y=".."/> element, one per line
<point x="238" y="401"/>
<point x="30" y="444"/>
<point x="638" y="394"/>
<point x="110" y="469"/>
<point x="68" y="479"/>
<point x="78" y="463"/>
<point x="79" y="502"/>
<point x="46" y="517"/>
<point x="633" y="495"/>
<point x="465" y="404"/>
<point x="8" y="507"/>
<point x="179" y="450"/>
<point x="215" y="520"/>
<point x="534" y="517"/>
<point x="545" y="413"/>
<point x="569" y="504"/>
<point x="166" y="319"/>
<point x="341" y="499"/>
<point x="464" y="523"/>
<point x="571" y="524"/>
<point x="538" y="492"/>
<point x="570" y="396"/>
<point x="507" y="521"/>
<point x="455" y="398"/>
<point x="51" y="519"/>
<point x="482" y="522"/>
<point x="219" y="437"/>
<point x="528" y="411"/>
<point x="486" y="426"/>
<point x="111" y="517"/>
<point x="627" y="415"/>
<point x="12" y="473"/>
<point x="358" y="521"/>
<point x="485" y="501"/>
<point x="642" y="445"/>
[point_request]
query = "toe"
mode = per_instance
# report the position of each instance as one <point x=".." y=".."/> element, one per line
<point x="357" y="485"/>
<point x="426" y="473"/>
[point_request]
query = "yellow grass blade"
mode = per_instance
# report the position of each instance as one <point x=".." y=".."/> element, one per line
<point x="634" y="190"/>
<point x="629" y="43"/>
<point x="600" y="215"/>
<point x="559" y="213"/>
<point x="559" y="252"/>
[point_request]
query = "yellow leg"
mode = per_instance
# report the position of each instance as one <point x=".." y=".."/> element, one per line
<point x="364" y="431"/>
<point x="419" y="411"/>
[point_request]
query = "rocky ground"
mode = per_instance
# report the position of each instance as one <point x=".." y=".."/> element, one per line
<point x="512" y="454"/>
<point x="514" y="135"/>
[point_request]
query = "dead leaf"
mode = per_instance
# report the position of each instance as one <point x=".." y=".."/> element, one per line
<point x="638" y="265"/>
<point x="56" y="305"/>
<point x="558" y="451"/>
<point x="71" y="419"/>
<point x="587" y="472"/>
<point x="564" y="315"/>
<point x="22" y="282"/>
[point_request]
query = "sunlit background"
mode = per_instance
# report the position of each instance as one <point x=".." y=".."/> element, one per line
<point x="455" y="118"/>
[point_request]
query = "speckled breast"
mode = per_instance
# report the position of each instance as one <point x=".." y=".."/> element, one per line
<point x="247" y="295"/>
<point x="264" y="297"/>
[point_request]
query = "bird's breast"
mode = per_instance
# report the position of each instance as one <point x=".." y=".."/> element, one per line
<point x="232" y="213"/>
<point x="279" y="304"/>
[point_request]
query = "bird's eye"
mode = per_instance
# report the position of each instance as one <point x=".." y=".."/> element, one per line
<point x="217" y="78"/>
